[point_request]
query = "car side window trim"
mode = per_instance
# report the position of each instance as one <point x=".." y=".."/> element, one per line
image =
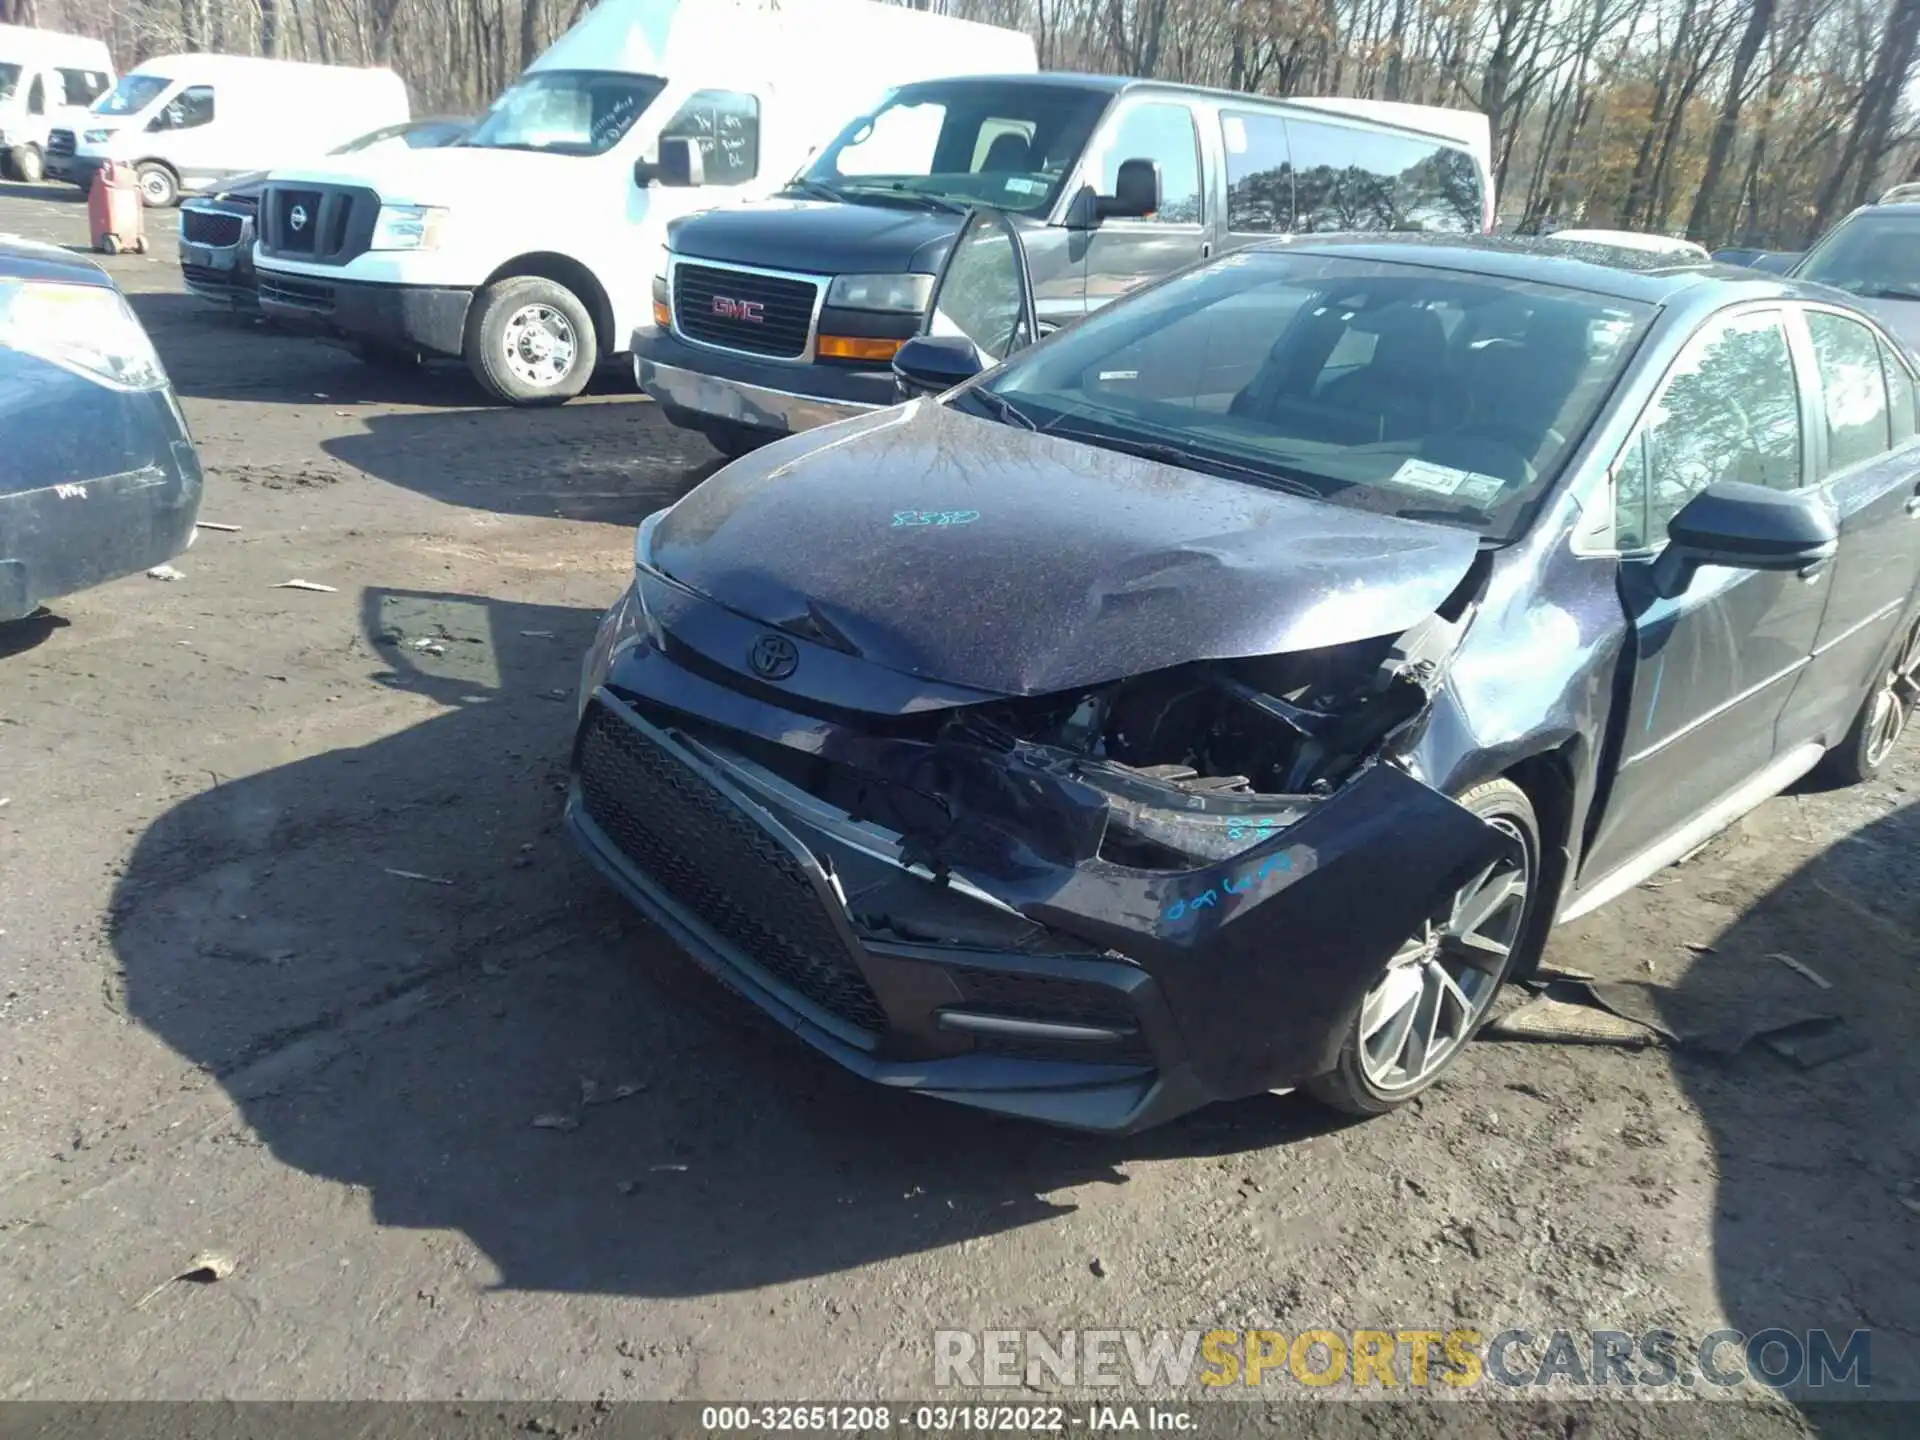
<point x="1585" y="542"/>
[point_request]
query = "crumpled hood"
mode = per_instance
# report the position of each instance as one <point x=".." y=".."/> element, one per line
<point x="819" y="237"/>
<point x="961" y="550"/>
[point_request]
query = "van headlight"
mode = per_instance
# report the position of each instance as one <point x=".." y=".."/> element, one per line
<point x="87" y="329"/>
<point x="408" y="227"/>
<point x="96" y="137"/>
<point x="896" y="294"/>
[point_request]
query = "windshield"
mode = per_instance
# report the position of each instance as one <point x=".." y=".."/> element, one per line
<point x="1431" y="394"/>
<point x="134" y="93"/>
<point x="1875" y="256"/>
<point x="566" y="112"/>
<point x="960" y="143"/>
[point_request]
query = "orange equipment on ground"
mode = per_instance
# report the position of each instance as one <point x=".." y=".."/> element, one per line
<point x="114" y="214"/>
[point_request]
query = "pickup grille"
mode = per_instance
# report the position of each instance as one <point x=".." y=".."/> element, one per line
<point x="320" y="224"/>
<point x="60" y="142"/>
<point x="769" y="315"/>
<point x="204" y="227"/>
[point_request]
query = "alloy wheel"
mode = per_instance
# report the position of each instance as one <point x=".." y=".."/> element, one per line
<point x="1439" y="984"/>
<point x="1893" y="702"/>
<point x="540" y="345"/>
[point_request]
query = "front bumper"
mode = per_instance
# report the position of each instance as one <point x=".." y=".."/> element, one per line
<point x="694" y="384"/>
<point x="1041" y="980"/>
<point x="222" y="274"/>
<point x="413" y="317"/>
<point x="60" y="538"/>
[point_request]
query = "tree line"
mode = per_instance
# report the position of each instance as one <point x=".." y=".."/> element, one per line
<point x="1731" y="121"/>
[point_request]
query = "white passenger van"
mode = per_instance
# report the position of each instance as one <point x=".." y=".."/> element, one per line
<point x="46" y="79"/>
<point x="186" y="122"/>
<point x="528" y="248"/>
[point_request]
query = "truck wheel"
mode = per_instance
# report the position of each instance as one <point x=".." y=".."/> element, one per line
<point x="25" y="163"/>
<point x="531" y="342"/>
<point x="159" y="187"/>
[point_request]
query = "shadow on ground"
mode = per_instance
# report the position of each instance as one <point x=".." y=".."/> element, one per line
<point x="263" y="930"/>
<point x="1818" y="1223"/>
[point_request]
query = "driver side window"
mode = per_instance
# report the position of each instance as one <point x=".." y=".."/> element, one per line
<point x="188" y="110"/>
<point x="1730" y="411"/>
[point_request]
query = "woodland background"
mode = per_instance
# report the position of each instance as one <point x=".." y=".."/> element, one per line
<point x="1731" y="121"/>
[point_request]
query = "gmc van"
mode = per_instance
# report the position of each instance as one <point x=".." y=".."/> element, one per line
<point x="46" y="79"/>
<point x="775" y="317"/>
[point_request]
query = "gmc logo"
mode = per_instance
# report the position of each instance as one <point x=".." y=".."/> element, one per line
<point x="746" y="310"/>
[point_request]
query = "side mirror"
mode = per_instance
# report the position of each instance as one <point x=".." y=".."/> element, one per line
<point x="1746" y="527"/>
<point x="929" y="364"/>
<point x="1136" y="192"/>
<point x="680" y="165"/>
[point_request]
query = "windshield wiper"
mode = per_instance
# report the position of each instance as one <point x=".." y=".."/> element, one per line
<point x="819" y="189"/>
<point x="1002" y="409"/>
<point x="904" y="192"/>
<point x="1170" y="454"/>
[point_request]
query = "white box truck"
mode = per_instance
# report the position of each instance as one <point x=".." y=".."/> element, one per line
<point x="46" y="79"/>
<point x="187" y="122"/>
<point x="528" y="248"/>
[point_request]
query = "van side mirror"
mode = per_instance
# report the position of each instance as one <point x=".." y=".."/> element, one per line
<point x="1136" y="192"/>
<point x="680" y="165"/>
<point x="1747" y="527"/>
<point x="929" y="364"/>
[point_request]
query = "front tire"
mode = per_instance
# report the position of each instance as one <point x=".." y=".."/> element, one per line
<point x="1439" y="987"/>
<point x="732" y="440"/>
<point x="1882" y="719"/>
<point x="531" y="341"/>
<point x="159" y="186"/>
<point x="25" y="163"/>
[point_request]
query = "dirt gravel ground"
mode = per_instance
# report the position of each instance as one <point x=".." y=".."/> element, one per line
<point x="234" y="1017"/>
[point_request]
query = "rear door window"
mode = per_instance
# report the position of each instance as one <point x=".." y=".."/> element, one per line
<point x="725" y="124"/>
<point x="1346" y="178"/>
<point x="1259" y="174"/>
<point x="1902" y="400"/>
<point x="1853" y="388"/>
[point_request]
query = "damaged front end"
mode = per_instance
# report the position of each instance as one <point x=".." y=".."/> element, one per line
<point x="1098" y="908"/>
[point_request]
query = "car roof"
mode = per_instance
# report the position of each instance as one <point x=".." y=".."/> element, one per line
<point x="23" y="259"/>
<point x="1650" y="277"/>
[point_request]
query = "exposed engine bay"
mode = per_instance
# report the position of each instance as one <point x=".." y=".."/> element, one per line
<point x="1203" y="761"/>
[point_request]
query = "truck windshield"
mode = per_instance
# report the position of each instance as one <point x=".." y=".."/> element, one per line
<point x="133" y="94"/>
<point x="566" y="112"/>
<point x="956" y="143"/>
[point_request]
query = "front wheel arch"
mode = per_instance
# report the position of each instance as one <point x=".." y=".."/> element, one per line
<point x="566" y="271"/>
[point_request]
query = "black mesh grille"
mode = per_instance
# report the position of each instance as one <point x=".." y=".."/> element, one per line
<point x="696" y="845"/>
<point x="60" y="142"/>
<point x="763" y="314"/>
<point x="207" y="228"/>
<point x="1060" y="1001"/>
<point x="301" y="294"/>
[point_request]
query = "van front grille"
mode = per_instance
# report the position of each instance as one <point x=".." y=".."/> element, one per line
<point x="769" y="315"/>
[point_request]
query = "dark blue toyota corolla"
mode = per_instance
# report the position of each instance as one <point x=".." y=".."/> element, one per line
<point x="1230" y="692"/>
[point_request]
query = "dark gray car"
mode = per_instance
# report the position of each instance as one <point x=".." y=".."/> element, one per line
<point x="1874" y="255"/>
<point x="1230" y="691"/>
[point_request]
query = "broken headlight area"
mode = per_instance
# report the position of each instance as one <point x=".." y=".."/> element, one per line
<point x="1207" y="761"/>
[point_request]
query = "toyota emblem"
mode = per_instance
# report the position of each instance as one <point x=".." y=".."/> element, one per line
<point x="774" y="657"/>
<point x="297" y="217"/>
